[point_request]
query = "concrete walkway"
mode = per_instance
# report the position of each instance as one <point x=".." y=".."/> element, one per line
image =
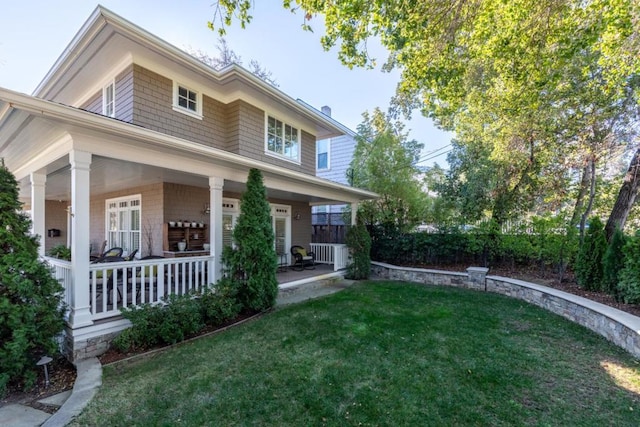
<point x="89" y="377"/>
<point x="70" y="403"/>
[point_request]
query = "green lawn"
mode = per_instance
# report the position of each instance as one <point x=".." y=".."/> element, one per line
<point x="382" y="353"/>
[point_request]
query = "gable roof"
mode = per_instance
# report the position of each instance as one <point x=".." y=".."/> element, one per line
<point x="120" y="42"/>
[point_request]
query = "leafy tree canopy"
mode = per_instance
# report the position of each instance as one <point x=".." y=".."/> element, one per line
<point x="384" y="162"/>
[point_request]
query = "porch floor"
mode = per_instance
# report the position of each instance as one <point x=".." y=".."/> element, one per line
<point x="290" y="276"/>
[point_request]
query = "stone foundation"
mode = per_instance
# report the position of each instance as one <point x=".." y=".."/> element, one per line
<point x="92" y="341"/>
<point x="619" y="327"/>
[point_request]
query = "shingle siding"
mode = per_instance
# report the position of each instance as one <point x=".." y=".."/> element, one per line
<point x="340" y="154"/>
<point x="145" y="98"/>
<point x="123" y="100"/>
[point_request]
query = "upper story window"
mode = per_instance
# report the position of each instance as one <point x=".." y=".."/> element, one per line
<point x="109" y="100"/>
<point x="322" y="154"/>
<point x="283" y="139"/>
<point x="187" y="101"/>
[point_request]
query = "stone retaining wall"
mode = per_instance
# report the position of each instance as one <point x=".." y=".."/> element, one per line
<point x="619" y="327"/>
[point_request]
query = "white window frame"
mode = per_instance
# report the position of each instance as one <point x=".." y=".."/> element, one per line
<point x="281" y="156"/>
<point x="282" y="212"/>
<point x="133" y="203"/>
<point x="176" y="98"/>
<point x="230" y="207"/>
<point x="110" y="88"/>
<point x="328" y="140"/>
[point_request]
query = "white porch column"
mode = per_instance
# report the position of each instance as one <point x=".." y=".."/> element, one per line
<point x="38" y="181"/>
<point x="354" y="213"/>
<point x="80" y="314"/>
<point x="215" y="226"/>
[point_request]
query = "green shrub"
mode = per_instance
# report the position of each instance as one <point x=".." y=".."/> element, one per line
<point x="219" y="304"/>
<point x="588" y="267"/>
<point x="146" y="321"/>
<point x="179" y="317"/>
<point x="125" y="341"/>
<point x="60" y="252"/>
<point x="359" y="244"/>
<point x="629" y="283"/>
<point x="613" y="263"/>
<point x="252" y="264"/>
<point x="182" y="317"/>
<point x="31" y="307"/>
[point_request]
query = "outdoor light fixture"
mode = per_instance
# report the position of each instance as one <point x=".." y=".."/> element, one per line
<point x="206" y="209"/>
<point x="297" y="216"/>
<point x="44" y="361"/>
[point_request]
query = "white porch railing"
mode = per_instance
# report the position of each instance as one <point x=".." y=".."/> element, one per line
<point x="115" y="285"/>
<point x="62" y="272"/>
<point x="331" y="253"/>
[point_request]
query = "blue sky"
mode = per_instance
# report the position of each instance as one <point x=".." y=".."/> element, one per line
<point x="33" y="33"/>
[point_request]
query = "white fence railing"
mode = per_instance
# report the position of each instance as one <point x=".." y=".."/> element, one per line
<point x="62" y="272"/>
<point x="331" y="253"/>
<point x="115" y="285"/>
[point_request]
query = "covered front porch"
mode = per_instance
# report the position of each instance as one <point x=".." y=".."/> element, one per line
<point x="116" y="285"/>
<point x="86" y="179"/>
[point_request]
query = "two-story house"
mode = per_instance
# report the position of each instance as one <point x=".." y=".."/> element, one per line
<point x="129" y="139"/>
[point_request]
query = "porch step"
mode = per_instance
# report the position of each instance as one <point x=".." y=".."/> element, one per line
<point x="313" y="289"/>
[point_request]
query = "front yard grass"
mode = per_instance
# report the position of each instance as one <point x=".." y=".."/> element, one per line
<point x="382" y="353"/>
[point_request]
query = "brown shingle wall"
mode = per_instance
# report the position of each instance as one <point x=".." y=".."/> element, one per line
<point x="153" y="109"/>
<point x="55" y="217"/>
<point x="246" y="127"/>
<point x="124" y="97"/>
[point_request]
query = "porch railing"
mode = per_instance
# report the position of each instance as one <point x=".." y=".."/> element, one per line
<point x="331" y="253"/>
<point x="116" y="285"/>
<point x="62" y="272"/>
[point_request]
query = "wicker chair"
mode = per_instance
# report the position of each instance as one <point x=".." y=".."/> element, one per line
<point x="302" y="259"/>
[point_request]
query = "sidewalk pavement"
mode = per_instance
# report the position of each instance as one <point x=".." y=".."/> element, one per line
<point x="89" y="377"/>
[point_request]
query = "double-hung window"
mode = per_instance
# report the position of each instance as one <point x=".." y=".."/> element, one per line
<point x="283" y="139"/>
<point x="322" y="153"/>
<point x="109" y="100"/>
<point x="187" y="100"/>
<point x="123" y="222"/>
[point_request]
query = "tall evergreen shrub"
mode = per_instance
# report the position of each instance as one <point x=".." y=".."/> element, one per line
<point x="359" y="243"/>
<point x="31" y="310"/>
<point x="589" y="261"/>
<point x="252" y="263"/>
<point x="629" y="283"/>
<point x="613" y="263"/>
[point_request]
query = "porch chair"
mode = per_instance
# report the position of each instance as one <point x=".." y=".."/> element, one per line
<point x="150" y="277"/>
<point x="111" y="253"/>
<point x="131" y="256"/>
<point x="95" y="255"/>
<point x="109" y="277"/>
<point x="302" y="259"/>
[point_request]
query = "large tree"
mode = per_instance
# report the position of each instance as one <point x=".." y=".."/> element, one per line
<point x="541" y="87"/>
<point x="384" y="161"/>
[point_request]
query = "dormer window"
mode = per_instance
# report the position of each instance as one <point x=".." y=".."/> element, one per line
<point x="283" y="140"/>
<point x="187" y="101"/>
<point x="109" y="100"/>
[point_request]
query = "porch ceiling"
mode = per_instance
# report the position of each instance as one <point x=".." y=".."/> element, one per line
<point x="111" y="175"/>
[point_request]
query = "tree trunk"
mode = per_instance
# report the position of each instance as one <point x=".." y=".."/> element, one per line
<point x="626" y="197"/>
<point x="582" y="192"/>
<point x="592" y="194"/>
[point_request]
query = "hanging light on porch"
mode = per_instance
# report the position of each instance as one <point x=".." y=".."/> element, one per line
<point x="206" y="209"/>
